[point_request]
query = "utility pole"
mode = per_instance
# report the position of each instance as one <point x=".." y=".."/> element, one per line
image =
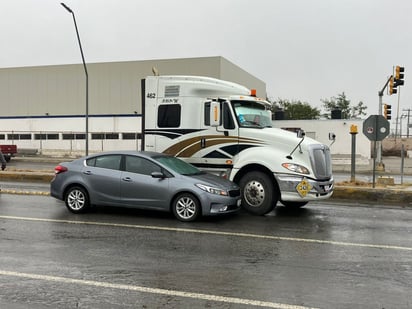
<point x="380" y="165"/>
<point x="87" y="77"/>
<point x="407" y="122"/>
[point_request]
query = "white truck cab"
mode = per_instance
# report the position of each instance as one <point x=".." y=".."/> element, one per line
<point x="221" y="127"/>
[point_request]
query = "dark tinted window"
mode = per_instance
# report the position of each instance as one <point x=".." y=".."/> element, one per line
<point x="169" y="116"/>
<point x="131" y="135"/>
<point x="227" y="117"/>
<point x="207" y="113"/>
<point x="107" y="161"/>
<point x="139" y="165"/>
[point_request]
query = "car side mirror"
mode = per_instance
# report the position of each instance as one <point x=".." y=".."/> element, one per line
<point x="158" y="175"/>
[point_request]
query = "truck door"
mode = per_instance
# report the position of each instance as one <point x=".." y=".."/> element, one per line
<point x="218" y="143"/>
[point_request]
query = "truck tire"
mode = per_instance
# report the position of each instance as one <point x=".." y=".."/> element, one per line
<point x="259" y="195"/>
<point x="7" y="158"/>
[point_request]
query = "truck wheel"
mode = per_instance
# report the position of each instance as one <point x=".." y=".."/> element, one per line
<point x="259" y="196"/>
<point x="77" y="200"/>
<point x="7" y="158"/>
<point x="294" y="204"/>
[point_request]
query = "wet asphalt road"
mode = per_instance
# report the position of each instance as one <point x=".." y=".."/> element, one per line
<point x="323" y="256"/>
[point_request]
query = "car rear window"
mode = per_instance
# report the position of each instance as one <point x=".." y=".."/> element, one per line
<point x="106" y="161"/>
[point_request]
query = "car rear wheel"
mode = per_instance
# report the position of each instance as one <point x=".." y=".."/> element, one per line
<point x="186" y="207"/>
<point x="77" y="200"/>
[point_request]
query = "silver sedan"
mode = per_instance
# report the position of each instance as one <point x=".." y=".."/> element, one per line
<point x="145" y="180"/>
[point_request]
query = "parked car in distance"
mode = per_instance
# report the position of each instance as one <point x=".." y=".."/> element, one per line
<point x="145" y="180"/>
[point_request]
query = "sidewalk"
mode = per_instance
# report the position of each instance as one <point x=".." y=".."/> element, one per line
<point x="393" y="166"/>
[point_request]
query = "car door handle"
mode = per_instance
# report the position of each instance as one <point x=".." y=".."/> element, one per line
<point x="128" y="179"/>
<point x="87" y="172"/>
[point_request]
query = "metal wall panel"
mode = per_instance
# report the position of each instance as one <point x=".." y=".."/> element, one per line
<point x="114" y="87"/>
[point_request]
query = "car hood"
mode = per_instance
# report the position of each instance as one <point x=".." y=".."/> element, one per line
<point x="215" y="181"/>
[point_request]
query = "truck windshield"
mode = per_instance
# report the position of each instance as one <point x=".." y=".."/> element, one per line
<point x="252" y="114"/>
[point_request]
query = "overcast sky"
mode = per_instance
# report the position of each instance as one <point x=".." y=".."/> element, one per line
<point x="305" y="50"/>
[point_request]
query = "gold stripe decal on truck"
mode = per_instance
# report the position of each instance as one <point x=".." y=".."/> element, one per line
<point x="190" y="146"/>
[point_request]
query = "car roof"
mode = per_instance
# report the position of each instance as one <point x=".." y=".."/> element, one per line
<point x="147" y="154"/>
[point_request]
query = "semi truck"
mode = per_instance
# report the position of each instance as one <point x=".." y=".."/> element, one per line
<point x="224" y="128"/>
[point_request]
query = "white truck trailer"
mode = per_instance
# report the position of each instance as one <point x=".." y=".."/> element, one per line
<point x="223" y="128"/>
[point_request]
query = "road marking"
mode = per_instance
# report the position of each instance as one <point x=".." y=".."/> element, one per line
<point x="142" y="289"/>
<point x="221" y="233"/>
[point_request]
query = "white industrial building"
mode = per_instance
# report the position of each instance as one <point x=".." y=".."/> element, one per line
<point x="342" y="147"/>
<point x="44" y="107"/>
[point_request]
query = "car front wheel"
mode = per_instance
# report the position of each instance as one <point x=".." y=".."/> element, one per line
<point x="77" y="200"/>
<point x="186" y="207"/>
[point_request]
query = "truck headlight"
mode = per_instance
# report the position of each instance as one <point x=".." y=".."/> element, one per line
<point x="211" y="189"/>
<point x="296" y="168"/>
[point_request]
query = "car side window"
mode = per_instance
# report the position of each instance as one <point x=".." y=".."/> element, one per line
<point x="107" y="161"/>
<point x="139" y="165"/>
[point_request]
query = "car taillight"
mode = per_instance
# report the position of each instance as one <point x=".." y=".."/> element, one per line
<point x="60" y="169"/>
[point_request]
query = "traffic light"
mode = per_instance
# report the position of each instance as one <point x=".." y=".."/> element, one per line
<point x="399" y="76"/>
<point x="392" y="86"/>
<point x="387" y="111"/>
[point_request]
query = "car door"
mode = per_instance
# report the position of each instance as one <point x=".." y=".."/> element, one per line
<point x="102" y="178"/>
<point x="139" y="188"/>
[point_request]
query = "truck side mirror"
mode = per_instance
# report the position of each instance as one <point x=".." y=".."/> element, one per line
<point x="300" y="133"/>
<point x="215" y="114"/>
<point x="332" y="137"/>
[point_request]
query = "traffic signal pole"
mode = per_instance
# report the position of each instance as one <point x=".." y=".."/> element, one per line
<point x="380" y="166"/>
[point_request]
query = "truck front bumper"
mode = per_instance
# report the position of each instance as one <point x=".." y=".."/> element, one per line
<point x="297" y="188"/>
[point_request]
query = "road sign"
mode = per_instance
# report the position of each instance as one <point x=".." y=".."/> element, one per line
<point x="376" y="127"/>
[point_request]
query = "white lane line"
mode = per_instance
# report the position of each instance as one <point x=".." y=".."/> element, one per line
<point x="221" y="233"/>
<point x="136" y="288"/>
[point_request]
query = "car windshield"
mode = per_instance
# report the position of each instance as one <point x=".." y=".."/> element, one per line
<point x="179" y="166"/>
<point x="252" y="114"/>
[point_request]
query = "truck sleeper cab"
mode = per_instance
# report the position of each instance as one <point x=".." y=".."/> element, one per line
<point x="221" y="128"/>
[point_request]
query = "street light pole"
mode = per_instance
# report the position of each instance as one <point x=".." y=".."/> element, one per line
<point x="87" y="78"/>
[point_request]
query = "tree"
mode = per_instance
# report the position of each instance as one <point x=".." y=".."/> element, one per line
<point x="342" y="103"/>
<point x="295" y="110"/>
<point x="359" y="110"/>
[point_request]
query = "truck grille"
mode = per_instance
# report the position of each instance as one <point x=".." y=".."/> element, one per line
<point x="320" y="158"/>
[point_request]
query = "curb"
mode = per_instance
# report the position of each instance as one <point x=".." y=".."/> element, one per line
<point x="22" y="192"/>
<point x="374" y="195"/>
<point x="26" y="176"/>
